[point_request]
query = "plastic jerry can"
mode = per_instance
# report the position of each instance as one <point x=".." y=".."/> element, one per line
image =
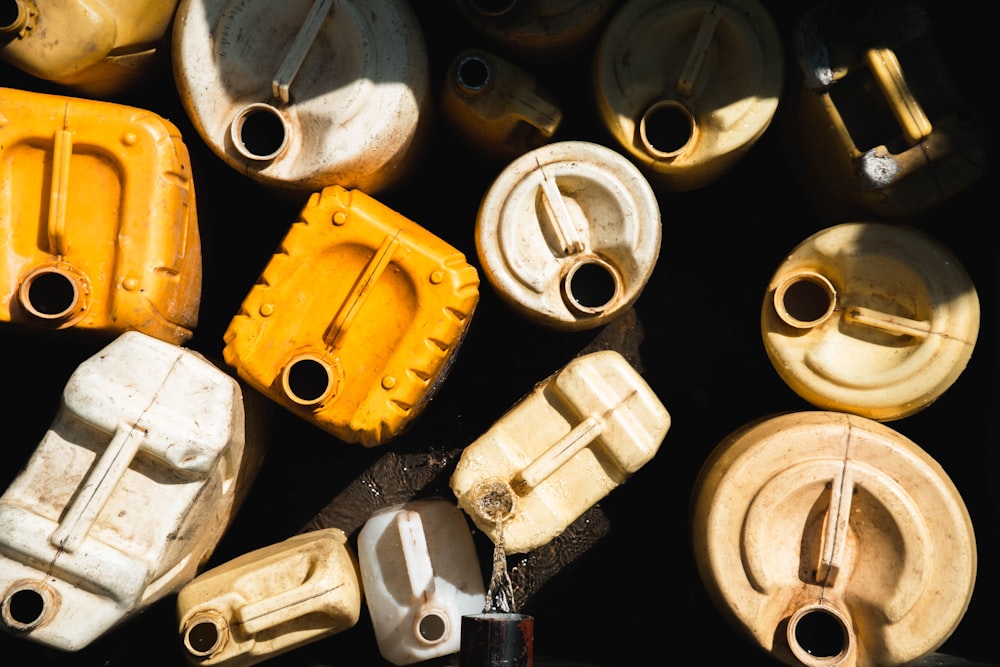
<point x="538" y="30"/>
<point x="687" y="87"/>
<point x="96" y="48"/>
<point x="497" y="107"/>
<point x="302" y="94"/>
<point x="98" y="216"/>
<point x="271" y="600"/>
<point x="831" y="540"/>
<point x="568" y="235"/>
<point x="356" y="319"/>
<point x="874" y="319"/>
<point x="421" y="575"/>
<point x="577" y="436"/>
<point x="127" y="494"/>
<point x="876" y="122"/>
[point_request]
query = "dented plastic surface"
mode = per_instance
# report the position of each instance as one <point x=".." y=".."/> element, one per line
<point x="302" y="94"/>
<point x="96" y="48"/>
<point x="687" y="88"/>
<point x="356" y="319"/>
<point x="98" y="219"/>
<point x="569" y="234"/>
<point x="577" y="436"/>
<point x="421" y="574"/>
<point x="126" y="495"/>
<point x="271" y="600"/>
<point x="832" y="540"/>
<point x="870" y="318"/>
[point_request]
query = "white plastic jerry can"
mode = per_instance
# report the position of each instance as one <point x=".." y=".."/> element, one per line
<point x="126" y="495"/>
<point x="570" y="442"/>
<point x="421" y="575"/>
<point x="831" y="540"/>
<point x="271" y="600"/>
<point x="302" y="94"/>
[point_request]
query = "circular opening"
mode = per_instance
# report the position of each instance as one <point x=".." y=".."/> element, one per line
<point x="493" y="500"/>
<point x="27" y="605"/>
<point x="818" y="636"/>
<point x="308" y="380"/>
<point x="432" y="627"/>
<point x="666" y="129"/>
<point x="50" y="294"/>
<point x="13" y="16"/>
<point x="259" y="132"/>
<point x="492" y="7"/>
<point x="590" y="286"/>
<point x="473" y="74"/>
<point x="805" y="300"/>
<point x="202" y="637"/>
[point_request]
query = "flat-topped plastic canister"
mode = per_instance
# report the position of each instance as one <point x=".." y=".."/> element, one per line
<point x="496" y="106"/>
<point x="569" y="234"/>
<point x="577" y="436"/>
<point x="876" y="123"/>
<point x="421" y="575"/>
<point x="271" y="600"/>
<point x="831" y="540"/>
<point x="302" y="94"/>
<point x="127" y="494"/>
<point x="687" y="87"/>
<point x="98" y="219"/>
<point x="96" y="48"/>
<point x="875" y="319"/>
<point x="356" y="319"/>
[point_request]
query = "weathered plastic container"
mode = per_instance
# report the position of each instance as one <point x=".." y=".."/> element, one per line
<point x="496" y="106"/>
<point x="576" y="437"/>
<point x="95" y="48"/>
<point x="876" y="124"/>
<point x="421" y="575"/>
<point x="687" y="87"/>
<point x="271" y="600"/>
<point x="356" y="319"/>
<point x="98" y="219"/>
<point x="568" y="235"/>
<point x="875" y="319"/>
<point x="831" y="540"/>
<point x="538" y="30"/>
<point x="127" y="494"/>
<point x="301" y="94"/>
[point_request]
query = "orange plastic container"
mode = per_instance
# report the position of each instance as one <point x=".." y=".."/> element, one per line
<point x="98" y="218"/>
<point x="356" y="318"/>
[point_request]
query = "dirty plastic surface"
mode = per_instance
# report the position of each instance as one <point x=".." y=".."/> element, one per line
<point x="870" y="318"/>
<point x="832" y="539"/>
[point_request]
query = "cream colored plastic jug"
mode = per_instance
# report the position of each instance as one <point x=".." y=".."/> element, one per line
<point x="687" y="87"/>
<point x="126" y="495"/>
<point x="569" y="234"/>
<point x="302" y="94"/>
<point x="870" y="318"/>
<point x="421" y="575"/>
<point x="570" y="442"/>
<point x="832" y="540"/>
<point x="271" y="600"/>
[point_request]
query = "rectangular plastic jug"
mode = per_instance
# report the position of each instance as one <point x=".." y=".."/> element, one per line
<point x="126" y="495"/>
<point x="563" y="447"/>
<point x="356" y="319"/>
<point x="98" y="219"/>
<point x="98" y="48"/>
<point x="271" y="600"/>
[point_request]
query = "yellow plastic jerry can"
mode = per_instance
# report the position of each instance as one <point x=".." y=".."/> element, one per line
<point x="272" y="600"/>
<point x="576" y="437"/>
<point x="356" y="319"/>
<point x="96" y="48"/>
<point x="97" y="218"/>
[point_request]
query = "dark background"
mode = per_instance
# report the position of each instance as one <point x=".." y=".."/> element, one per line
<point x="634" y="598"/>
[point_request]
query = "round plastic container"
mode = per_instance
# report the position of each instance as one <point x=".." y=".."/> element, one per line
<point x="688" y="87"/>
<point x="568" y="234"/>
<point x="831" y="540"/>
<point x="870" y="318"/>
